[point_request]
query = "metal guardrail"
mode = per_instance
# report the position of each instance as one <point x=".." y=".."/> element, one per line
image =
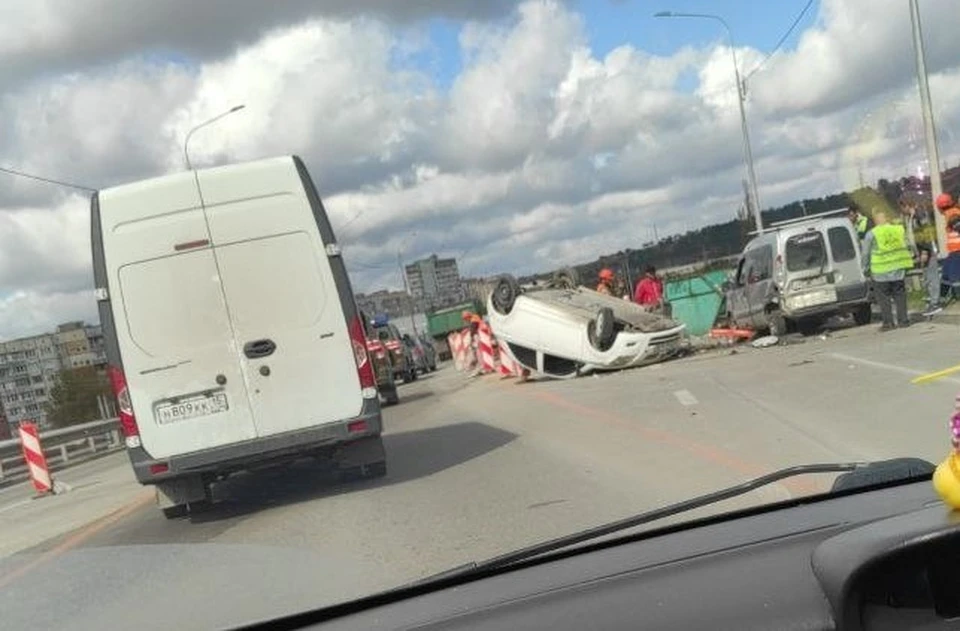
<point x="62" y="447"/>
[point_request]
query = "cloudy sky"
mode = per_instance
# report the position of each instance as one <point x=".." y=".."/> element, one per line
<point x="517" y="135"/>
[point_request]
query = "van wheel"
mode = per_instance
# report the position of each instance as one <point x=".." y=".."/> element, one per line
<point x="176" y="512"/>
<point x="363" y="472"/>
<point x="863" y="315"/>
<point x="390" y="396"/>
<point x="776" y="323"/>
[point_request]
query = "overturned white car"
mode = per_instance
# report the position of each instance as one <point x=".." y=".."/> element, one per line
<point x="562" y="330"/>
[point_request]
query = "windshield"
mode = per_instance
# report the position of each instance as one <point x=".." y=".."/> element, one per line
<point x="806" y="251"/>
<point x="305" y="301"/>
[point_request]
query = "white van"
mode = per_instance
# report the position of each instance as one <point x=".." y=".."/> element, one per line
<point x="233" y="338"/>
<point x="799" y="273"/>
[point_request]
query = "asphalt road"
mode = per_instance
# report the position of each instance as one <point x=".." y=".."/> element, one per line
<point x="477" y="467"/>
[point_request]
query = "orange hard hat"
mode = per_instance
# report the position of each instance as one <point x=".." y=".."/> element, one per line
<point x="466" y="315"/>
<point x="944" y="201"/>
<point x="606" y="274"/>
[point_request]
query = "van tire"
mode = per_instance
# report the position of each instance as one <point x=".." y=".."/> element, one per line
<point x="777" y="323"/>
<point x="390" y="395"/>
<point x="863" y="314"/>
<point x="176" y="512"/>
<point x="370" y="471"/>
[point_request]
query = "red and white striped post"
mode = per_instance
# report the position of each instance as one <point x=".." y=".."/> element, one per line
<point x="485" y="349"/>
<point x="33" y="456"/>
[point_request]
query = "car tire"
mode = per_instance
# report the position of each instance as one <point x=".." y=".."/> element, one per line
<point x="602" y="332"/>
<point x="863" y="314"/>
<point x="505" y="294"/>
<point x="567" y="278"/>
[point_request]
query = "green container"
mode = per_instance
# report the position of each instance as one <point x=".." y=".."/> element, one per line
<point x="696" y="301"/>
<point x="444" y="321"/>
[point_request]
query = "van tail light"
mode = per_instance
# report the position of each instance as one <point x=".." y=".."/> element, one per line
<point x="368" y="381"/>
<point x="128" y="422"/>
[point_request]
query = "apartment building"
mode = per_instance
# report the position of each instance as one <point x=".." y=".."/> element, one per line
<point x="29" y="367"/>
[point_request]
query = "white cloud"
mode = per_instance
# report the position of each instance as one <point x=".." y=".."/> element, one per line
<point x="538" y="153"/>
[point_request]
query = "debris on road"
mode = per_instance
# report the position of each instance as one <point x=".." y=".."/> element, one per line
<point x="765" y="341"/>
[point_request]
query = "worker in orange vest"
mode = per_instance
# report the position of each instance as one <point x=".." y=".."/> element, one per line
<point x="606" y="281"/>
<point x="951" y="216"/>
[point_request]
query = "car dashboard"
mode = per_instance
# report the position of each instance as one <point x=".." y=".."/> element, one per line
<point x="886" y="558"/>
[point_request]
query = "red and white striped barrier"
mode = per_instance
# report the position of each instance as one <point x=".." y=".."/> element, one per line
<point x="485" y="349"/>
<point x="33" y="456"/>
<point x="468" y="353"/>
<point x="453" y="341"/>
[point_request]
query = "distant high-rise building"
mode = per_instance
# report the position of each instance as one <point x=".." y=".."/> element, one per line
<point x="434" y="281"/>
<point x="29" y="367"/>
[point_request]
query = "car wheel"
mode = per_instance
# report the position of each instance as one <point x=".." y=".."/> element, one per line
<point x="863" y="315"/>
<point x="505" y="294"/>
<point x="567" y="278"/>
<point x="601" y="332"/>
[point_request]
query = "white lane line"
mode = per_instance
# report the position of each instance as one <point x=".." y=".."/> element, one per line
<point x="14" y="505"/>
<point x="685" y="397"/>
<point x="890" y="367"/>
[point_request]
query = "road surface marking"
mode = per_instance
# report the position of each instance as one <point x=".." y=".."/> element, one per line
<point x="940" y="374"/>
<point x="71" y="542"/>
<point x="685" y="397"/>
<point x="16" y="505"/>
<point x="705" y="452"/>
<point x="891" y="367"/>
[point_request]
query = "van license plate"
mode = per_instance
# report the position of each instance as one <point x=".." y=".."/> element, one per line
<point x="193" y="407"/>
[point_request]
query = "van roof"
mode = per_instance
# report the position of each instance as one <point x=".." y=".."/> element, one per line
<point x="785" y="232"/>
<point x="176" y="179"/>
<point x="830" y="215"/>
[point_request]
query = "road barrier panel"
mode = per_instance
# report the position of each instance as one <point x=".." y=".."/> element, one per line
<point x="485" y="349"/>
<point x="33" y="456"/>
<point x="61" y="448"/>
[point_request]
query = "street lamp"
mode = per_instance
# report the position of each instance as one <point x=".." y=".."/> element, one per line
<point x="929" y="129"/>
<point x="741" y="98"/>
<point x="186" y="141"/>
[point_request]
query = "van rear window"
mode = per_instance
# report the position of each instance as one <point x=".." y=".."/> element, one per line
<point x="805" y="251"/>
<point x="172" y="304"/>
<point x="841" y="244"/>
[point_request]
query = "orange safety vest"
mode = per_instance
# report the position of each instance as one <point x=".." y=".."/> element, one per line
<point x="953" y="237"/>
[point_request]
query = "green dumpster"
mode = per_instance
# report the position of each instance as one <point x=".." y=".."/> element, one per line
<point x="696" y="301"/>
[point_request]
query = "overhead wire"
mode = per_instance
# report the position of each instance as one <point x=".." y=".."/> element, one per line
<point x="780" y="42"/>
<point x="47" y="180"/>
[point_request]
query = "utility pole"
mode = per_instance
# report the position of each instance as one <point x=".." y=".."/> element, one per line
<point x="929" y="129"/>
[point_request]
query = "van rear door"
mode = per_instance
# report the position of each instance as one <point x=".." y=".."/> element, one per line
<point x="292" y="337"/>
<point x="173" y="333"/>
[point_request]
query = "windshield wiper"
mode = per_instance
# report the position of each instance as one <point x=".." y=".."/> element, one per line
<point x="890" y="474"/>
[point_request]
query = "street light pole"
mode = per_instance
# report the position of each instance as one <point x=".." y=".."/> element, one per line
<point x="186" y="141"/>
<point x="929" y="128"/>
<point x="741" y="100"/>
